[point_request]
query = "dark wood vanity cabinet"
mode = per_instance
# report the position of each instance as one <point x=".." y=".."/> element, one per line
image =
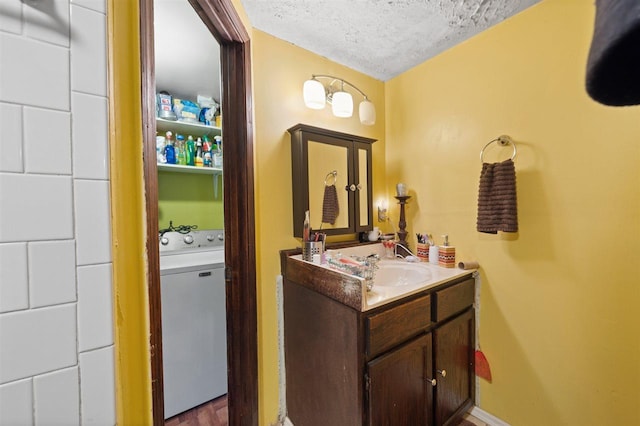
<point x="410" y="362"/>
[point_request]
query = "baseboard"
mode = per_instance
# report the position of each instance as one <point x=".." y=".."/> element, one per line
<point x="477" y="412"/>
<point x="490" y="419"/>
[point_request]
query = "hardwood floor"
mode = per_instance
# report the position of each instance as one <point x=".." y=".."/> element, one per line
<point x="212" y="413"/>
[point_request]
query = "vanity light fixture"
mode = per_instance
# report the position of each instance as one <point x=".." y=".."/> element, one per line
<point x="316" y="95"/>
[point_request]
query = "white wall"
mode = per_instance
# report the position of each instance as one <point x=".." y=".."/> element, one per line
<point x="56" y="328"/>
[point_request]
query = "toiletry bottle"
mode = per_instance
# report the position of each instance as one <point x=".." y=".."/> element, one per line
<point x="446" y="254"/>
<point x="305" y="227"/>
<point x="180" y="150"/>
<point x="190" y="151"/>
<point x="169" y="150"/>
<point x="198" y="160"/>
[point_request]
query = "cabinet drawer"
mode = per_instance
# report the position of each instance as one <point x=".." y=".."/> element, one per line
<point x="454" y="299"/>
<point x="394" y="326"/>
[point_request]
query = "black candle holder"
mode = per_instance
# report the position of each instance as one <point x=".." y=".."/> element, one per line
<point x="402" y="224"/>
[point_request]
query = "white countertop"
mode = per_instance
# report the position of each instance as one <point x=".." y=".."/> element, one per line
<point x="406" y="278"/>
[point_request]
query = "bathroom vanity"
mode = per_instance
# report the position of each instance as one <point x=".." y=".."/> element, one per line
<point x="354" y="357"/>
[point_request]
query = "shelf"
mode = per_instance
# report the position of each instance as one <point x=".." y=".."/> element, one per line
<point x="186" y="129"/>
<point x="177" y="168"/>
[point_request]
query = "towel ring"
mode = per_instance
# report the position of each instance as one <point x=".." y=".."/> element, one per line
<point x="334" y="175"/>
<point x="502" y="140"/>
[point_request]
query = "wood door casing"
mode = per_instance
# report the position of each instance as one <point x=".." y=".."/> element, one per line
<point x="225" y="25"/>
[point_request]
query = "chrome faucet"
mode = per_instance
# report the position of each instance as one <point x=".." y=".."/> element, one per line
<point x="407" y="252"/>
<point x="371" y="264"/>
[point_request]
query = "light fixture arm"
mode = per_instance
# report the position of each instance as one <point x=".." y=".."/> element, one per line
<point x="343" y="81"/>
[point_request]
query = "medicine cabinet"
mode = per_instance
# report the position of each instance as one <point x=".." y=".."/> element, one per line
<point x="322" y="158"/>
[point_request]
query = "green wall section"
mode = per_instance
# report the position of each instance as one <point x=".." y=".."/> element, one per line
<point x="188" y="199"/>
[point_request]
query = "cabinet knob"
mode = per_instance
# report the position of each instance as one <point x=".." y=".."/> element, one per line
<point x="432" y="381"/>
<point x="443" y="373"/>
<point x="351" y="188"/>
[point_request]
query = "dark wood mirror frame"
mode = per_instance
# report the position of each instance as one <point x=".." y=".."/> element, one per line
<point x="301" y="136"/>
<point x="225" y="25"/>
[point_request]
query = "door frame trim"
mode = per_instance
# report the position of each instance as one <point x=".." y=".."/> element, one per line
<point x="226" y="26"/>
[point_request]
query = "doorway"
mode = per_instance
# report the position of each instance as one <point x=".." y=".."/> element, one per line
<point x="223" y="22"/>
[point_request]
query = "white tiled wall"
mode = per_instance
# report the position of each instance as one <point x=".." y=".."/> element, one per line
<point x="56" y="308"/>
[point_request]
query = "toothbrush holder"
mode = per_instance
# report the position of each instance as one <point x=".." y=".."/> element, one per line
<point x="309" y="248"/>
<point x="422" y="251"/>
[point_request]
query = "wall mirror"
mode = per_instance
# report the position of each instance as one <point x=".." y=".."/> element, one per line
<point x="331" y="177"/>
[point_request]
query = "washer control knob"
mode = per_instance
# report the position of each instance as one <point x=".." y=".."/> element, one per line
<point x="164" y="241"/>
<point x="188" y="239"/>
<point x="210" y="237"/>
<point x="220" y="237"/>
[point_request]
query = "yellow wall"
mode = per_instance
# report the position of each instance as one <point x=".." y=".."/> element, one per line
<point x="558" y="316"/>
<point x="279" y="70"/>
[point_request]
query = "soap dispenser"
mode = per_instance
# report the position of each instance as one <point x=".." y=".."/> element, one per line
<point x="446" y="254"/>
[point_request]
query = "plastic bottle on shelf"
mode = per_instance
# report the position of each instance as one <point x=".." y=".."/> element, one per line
<point x="169" y="149"/>
<point x="180" y="151"/>
<point x="217" y="155"/>
<point x="160" y="142"/>
<point x="198" y="160"/>
<point x="190" y="151"/>
<point x="206" y="145"/>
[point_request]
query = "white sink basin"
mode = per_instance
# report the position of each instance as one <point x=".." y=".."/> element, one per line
<point x="395" y="279"/>
<point x="400" y="274"/>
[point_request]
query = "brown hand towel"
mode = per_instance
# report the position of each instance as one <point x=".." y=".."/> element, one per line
<point x="330" y="208"/>
<point x="497" y="201"/>
<point x="613" y="65"/>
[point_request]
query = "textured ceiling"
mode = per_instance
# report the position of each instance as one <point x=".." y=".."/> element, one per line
<point x="380" y="38"/>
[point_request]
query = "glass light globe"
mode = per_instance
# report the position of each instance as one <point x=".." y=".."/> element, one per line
<point x="367" y="113"/>
<point x="314" y="95"/>
<point x="342" y="104"/>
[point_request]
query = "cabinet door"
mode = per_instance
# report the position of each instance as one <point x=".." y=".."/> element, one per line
<point x="454" y="363"/>
<point x="399" y="388"/>
<point x="362" y="164"/>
